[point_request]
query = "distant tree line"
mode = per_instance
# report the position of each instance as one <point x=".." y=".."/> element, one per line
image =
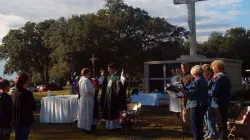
<point x="233" y="44"/>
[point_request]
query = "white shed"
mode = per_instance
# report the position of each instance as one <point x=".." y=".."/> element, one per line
<point x="156" y="73"/>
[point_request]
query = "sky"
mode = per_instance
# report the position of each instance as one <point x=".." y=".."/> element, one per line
<point x="211" y="15"/>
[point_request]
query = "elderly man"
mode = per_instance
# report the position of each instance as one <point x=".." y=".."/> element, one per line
<point x="186" y="76"/>
<point x="186" y="79"/>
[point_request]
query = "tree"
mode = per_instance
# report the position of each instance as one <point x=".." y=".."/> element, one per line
<point x="58" y="49"/>
<point x="131" y="32"/>
<point x="237" y="45"/>
<point x="24" y="50"/>
<point x="213" y="47"/>
<point x="233" y="44"/>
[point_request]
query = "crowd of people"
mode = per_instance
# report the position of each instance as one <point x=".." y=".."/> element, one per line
<point x="207" y="98"/>
<point x="206" y="90"/>
<point x="16" y="112"/>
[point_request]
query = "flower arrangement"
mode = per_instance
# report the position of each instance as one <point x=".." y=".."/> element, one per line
<point x="127" y="118"/>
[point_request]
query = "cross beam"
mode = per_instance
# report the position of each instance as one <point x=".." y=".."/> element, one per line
<point x="176" y="2"/>
<point x="191" y="23"/>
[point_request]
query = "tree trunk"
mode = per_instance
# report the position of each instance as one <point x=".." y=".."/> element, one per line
<point x="61" y="82"/>
<point x="42" y="74"/>
<point x="70" y="78"/>
<point x="47" y="72"/>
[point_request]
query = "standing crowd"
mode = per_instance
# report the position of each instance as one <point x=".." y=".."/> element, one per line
<point x="207" y="98"/>
<point x="206" y="90"/>
<point x="16" y="112"/>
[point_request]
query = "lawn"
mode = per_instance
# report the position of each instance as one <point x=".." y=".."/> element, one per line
<point x="158" y="124"/>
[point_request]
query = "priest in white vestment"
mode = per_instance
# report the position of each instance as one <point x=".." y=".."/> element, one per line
<point x="86" y="102"/>
<point x="174" y="103"/>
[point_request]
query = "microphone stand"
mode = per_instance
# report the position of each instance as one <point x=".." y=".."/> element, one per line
<point x="182" y="122"/>
<point x="182" y="107"/>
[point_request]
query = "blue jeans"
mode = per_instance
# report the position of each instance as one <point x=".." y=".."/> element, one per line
<point x="22" y="132"/>
<point x="196" y="121"/>
<point x="210" y="122"/>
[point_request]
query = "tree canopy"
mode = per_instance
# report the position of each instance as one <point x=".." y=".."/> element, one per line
<point x="57" y="49"/>
<point x="233" y="44"/>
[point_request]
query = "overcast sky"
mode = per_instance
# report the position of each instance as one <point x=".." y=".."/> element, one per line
<point x="211" y="15"/>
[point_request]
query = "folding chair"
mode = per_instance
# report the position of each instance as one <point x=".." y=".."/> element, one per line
<point x="133" y="109"/>
<point x="241" y="126"/>
<point x="234" y="113"/>
<point x="138" y="115"/>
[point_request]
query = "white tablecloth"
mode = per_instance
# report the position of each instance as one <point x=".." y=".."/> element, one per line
<point x="59" y="109"/>
<point x="150" y="99"/>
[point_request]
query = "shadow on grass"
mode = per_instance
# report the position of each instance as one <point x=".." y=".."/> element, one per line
<point x="158" y="124"/>
<point x="69" y="131"/>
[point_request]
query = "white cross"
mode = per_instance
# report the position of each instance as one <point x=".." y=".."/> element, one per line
<point x="191" y="22"/>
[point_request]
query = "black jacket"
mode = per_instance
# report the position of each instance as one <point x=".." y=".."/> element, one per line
<point x="23" y="106"/>
<point x="5" y="112"/>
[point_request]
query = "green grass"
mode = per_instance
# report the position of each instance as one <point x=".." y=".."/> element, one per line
<point x="158" y="124"/>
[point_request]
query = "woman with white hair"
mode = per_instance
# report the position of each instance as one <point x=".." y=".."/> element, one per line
<point x="197" y="102"/>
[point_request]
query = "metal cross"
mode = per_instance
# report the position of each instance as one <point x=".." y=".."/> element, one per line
<point x="93" y="59"/>
<point x="191" y="22"/>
